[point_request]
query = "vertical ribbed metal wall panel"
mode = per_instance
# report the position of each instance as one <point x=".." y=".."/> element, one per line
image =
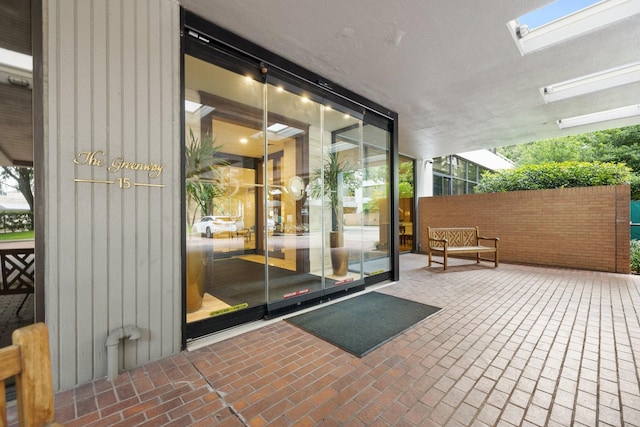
<point x="112" y="257"/>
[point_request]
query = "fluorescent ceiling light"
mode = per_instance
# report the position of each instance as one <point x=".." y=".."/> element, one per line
<point x="16" y="60"/>
<point x="607" y="79"/>
<point x="601" y="116"/>
<point x="575" y="24"/>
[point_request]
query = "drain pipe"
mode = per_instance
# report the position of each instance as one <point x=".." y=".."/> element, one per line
<point x="131" y="332"/>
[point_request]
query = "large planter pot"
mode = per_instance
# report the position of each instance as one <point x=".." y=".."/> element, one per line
<point x="196" y="263"/>
<point x="339" y="254"/>
<point x="340" y="261"/>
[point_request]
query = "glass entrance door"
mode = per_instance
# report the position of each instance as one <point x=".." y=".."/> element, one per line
<point x="224" y="164"/>
<point x="274" y="202"/>
<point x="291" y="122"/>
<point x="313" y="177"/>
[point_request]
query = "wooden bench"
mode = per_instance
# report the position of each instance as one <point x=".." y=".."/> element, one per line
<point x="459" y="240"/>
<point x="28" y="360"/>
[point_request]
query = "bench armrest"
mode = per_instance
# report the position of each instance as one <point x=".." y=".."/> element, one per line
<point x="495" y="240"/>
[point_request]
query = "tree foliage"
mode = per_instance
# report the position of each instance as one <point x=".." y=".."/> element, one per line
<point x="22" y="179"/>
<point x="554" y="175"/>
<point x="405" y="179"/>
<point x="621" y="145"/>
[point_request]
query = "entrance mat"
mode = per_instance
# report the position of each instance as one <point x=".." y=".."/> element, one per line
<point x="236" y="281"/>
<point x="361" y="324"/>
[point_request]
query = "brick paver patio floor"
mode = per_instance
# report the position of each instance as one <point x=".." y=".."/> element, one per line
<point x="516" y="345"/>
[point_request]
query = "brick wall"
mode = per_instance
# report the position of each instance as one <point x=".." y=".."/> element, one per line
<point x="585" y="228"/>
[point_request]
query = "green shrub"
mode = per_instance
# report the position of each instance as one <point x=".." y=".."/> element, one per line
<point x="554" y="175"/>
<point x="11" y="221"/>
<point x="635" y="187"/>
<point x="635" y="256"/>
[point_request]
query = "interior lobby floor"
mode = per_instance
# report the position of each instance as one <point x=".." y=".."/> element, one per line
<point x="516" y="345"/>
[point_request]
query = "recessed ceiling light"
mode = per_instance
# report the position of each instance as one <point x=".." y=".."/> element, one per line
<point x="244" y="140"/>
<point x="607" y="79"/>
<point x="601" y="116"/>
<point x="575" y="24"/>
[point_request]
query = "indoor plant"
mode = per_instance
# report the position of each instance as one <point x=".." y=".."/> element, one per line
<point x="202" y="186"/>
<point x="335" y="179"/>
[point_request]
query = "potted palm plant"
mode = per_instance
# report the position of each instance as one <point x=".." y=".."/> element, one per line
<point x="335" y="179"/>
<point x="202" y="186"/>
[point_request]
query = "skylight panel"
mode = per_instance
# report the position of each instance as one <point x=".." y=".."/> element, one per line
<point x="277" y="127"/>
<point x="278" y="131"/>
<point x="16" y="60"/>
<point x="545" y="27"/>
<point x="553" y="11"/>
<point x="190" y="106"/>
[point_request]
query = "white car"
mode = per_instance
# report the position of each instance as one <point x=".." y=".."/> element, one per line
<point x="211" y="226"/>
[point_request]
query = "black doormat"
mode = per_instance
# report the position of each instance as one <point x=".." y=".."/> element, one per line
<point x="361" y="324"/>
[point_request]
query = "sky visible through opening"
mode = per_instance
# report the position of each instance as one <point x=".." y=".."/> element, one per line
<point x="553" y="11"/>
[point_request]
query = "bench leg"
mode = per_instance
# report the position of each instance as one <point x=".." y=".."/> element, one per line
<point x="496" y="258"/>
<point x="444" y="261"/>
<point x="429" y="259"/>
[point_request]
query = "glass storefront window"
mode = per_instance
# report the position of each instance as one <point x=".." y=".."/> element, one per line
<point x="406" y="201"/>
<point x="458" y="186"/>
<point x="441" y="185"/>
<point x="463" y="178"/>
<point x="473" y="173"/>
<point x="442" y="164"/>
<point x="458" y="167"/>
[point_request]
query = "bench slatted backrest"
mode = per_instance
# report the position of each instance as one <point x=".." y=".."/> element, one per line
<point x="28" y="360"/>
<point x="457" y="236"/>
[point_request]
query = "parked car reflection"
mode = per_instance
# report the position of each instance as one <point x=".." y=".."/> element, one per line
<point x="211" y="226"/>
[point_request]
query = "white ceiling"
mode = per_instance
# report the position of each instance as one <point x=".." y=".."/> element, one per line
<point x="450" y="68"/>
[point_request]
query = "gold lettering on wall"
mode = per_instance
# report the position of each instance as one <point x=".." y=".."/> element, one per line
<point x="119" y="163"/>
<point x="91" y="158"/>
<point x="97" y="159"/>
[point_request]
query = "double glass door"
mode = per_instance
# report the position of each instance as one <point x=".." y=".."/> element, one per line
<point x="274" y="196"/>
